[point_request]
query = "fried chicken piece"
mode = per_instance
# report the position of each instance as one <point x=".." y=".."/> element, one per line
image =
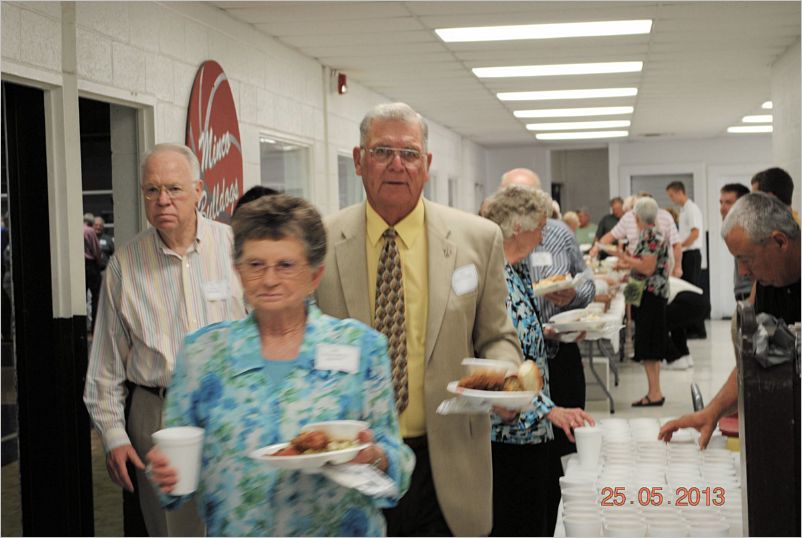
<point x="313" y="440"/>
<point x="288" y="450"/>
<point x="512" y="383"/>
<point x="483" y="381"/>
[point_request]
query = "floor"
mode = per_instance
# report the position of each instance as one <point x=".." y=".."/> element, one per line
<point x="713" y="359"/>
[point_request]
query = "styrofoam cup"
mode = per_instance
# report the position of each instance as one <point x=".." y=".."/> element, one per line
<point x="624" y="528"/>
<point x="182" y="446"/>
<point x="588" y="445"/>
<point x="583" y="525"/>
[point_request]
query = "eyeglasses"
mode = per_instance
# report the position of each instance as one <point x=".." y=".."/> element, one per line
<point x="256" y="269"/>
<point x="384" y="154"/>
<point x="153" y="192"/>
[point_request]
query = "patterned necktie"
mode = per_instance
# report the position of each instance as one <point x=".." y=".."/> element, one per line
<point x="390" y="316"/>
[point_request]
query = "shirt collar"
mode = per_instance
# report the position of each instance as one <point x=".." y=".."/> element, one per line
<point x="408" y="229"/>
<point x="201" y="232"/>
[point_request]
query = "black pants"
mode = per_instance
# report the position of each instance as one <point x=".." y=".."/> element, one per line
<point x="567" y="389"/>
<point x="133" y="522"/>
<point x="418" y="512"/>
<point x="686" y="310"/>
<point x="93" y="280"/>
<point x="519" y="489"/>
<point x="692" y="266"/>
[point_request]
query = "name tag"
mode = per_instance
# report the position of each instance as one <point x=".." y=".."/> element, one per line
<point x="541" y="259"/>
<point x="465" y="279"/>
<point x="217" y="290"/>
<point x="337" y="357"/>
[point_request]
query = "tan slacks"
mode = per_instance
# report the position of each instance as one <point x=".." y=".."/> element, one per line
<point x="145" y="418"/>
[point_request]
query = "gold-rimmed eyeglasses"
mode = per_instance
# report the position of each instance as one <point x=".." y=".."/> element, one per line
<point x="256" y="269"/>
<point x="174" y="191"/>
<point x="383" y="154"/>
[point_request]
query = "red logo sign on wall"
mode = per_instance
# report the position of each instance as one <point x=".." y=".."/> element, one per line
<point x="213" y="134"/>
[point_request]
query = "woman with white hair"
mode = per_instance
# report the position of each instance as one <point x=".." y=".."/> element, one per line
<point x="520" y="444"/>
<point x="648" y="293"/>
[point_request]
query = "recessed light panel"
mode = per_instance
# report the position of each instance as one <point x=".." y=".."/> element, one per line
<point x="743" y="129"/>
<point x="768" y="105"/>
<point x="581" y="136"/>
<point x="557" y="69"/>
<point x="569" y="125"/>
<point x="758" y="118"/>
<point x="574" y="112"/>
<point x="567" y="94"/>
<point x="544" y="31"/>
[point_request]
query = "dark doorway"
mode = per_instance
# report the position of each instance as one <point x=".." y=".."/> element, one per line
<point x="49" y="353"/>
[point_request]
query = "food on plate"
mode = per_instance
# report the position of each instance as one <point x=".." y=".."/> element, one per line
<point x="551" y="280"/>
<point x="528" y="378"/>
<point x="313" y="442"/>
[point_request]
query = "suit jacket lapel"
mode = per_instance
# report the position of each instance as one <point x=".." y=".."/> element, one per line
<point x="352" y="267"/>
<point x="442" y="258"/>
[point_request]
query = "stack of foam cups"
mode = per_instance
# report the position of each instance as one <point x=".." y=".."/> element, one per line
<point x="624" y="482"/>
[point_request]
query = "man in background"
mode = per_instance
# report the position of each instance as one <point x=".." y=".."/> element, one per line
<point x="105" y="241"/>
<point x="586" y="232"/>
<point x="777" y="182"/>
<point x="92" y="261"/>
<point x="173" y="278"/>
<point x="729" y="194"/>
<point x="691" y="235"/>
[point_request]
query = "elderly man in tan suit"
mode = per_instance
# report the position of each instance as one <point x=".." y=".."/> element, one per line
<point x="431" y="278"/>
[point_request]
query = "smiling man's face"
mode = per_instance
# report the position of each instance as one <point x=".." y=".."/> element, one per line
<point x="393" y="188"/>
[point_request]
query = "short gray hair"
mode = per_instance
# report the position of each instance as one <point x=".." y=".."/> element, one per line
<point x="279" y="216"/>
<point x="89" y="219"/>
<point x="646" y="209"/>
<point x="181" y="149"/>
<point x="759" y="214"/>
<point x="392" y="111"/>
<point x="516" y="206"/>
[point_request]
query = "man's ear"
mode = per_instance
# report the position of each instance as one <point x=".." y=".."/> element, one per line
<point x="780" y="239"/>
<point x="358" y="160"/>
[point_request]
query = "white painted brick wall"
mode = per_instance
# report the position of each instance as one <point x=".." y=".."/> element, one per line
<point x="144" y="25"/>
<point x="128" y="67"/>
<point x="94" y="56"/>
<point x="40" y="42"/>
<point x="107" y="18"/>
<point x="785" y="93"/>
<point x="12" y="27"/>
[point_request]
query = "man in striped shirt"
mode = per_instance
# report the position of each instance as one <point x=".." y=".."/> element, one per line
<point x="169" y="280"/>
<point x="558" y="253"/>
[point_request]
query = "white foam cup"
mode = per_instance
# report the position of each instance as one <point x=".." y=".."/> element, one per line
<point x="182" y="446"/>
<point x="624" y="528"/>
<point x="714" y="528"/>
<point x="583" y="525"/>
<point x="666" y="528"/>
<point x="588" y="445"/>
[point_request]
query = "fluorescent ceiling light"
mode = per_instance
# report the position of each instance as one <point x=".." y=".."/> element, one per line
<point x="768" y="105"/>
<point x="758" y="118"/>
<point x="750" y="129"/>
<point x="574" y="112"/>
<point x="557" y="69"/>
<point x="544" y="31"/>
<point x="581" y="136"/>
<point x="567" y="94"/>
<point x="567" y="125"/>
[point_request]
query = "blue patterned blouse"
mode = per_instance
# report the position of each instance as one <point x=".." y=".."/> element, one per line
<point x="530" y="428"/>
<point x="220" y="384"/>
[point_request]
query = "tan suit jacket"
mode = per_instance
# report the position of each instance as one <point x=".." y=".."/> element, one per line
<point x="470" y="324"/>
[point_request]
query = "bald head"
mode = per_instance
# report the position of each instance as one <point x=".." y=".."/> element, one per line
<point x="520" y="176"/>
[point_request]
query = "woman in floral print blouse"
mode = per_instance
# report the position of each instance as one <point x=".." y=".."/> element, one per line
<point x="257" y="381"/>
<point x="520" y="443"/>
<point x="649" y="263"/>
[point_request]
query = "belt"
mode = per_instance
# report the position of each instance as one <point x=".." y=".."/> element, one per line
<point x="161" y="392"/>
<point x="416" y="443"/>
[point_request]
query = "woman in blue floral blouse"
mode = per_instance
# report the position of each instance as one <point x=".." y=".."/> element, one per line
<point x="257" y="381"/>
<point x="520" y="445"/>
<point x="650" y="264"/>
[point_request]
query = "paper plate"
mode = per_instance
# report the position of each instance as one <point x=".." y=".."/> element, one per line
<point x="508" y="399"/>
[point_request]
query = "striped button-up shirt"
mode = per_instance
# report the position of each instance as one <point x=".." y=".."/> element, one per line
<point x="627" y="228"/>
<point x="150" y="299"/>
<point x="561" y="245"/>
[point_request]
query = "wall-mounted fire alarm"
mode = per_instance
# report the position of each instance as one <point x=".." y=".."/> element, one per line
<point x="342" y="83"/>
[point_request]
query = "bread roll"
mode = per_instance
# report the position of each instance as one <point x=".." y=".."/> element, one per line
<point x="530" y="376"/>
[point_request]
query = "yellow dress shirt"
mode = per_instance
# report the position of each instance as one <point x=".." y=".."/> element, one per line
<point x="412" y="248"/>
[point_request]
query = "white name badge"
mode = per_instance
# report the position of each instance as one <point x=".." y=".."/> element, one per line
<point x="541" y="259"/>
<point x="465" y="279"/>
<point x="217" y="290"/>
<point x="337" y="357"/>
